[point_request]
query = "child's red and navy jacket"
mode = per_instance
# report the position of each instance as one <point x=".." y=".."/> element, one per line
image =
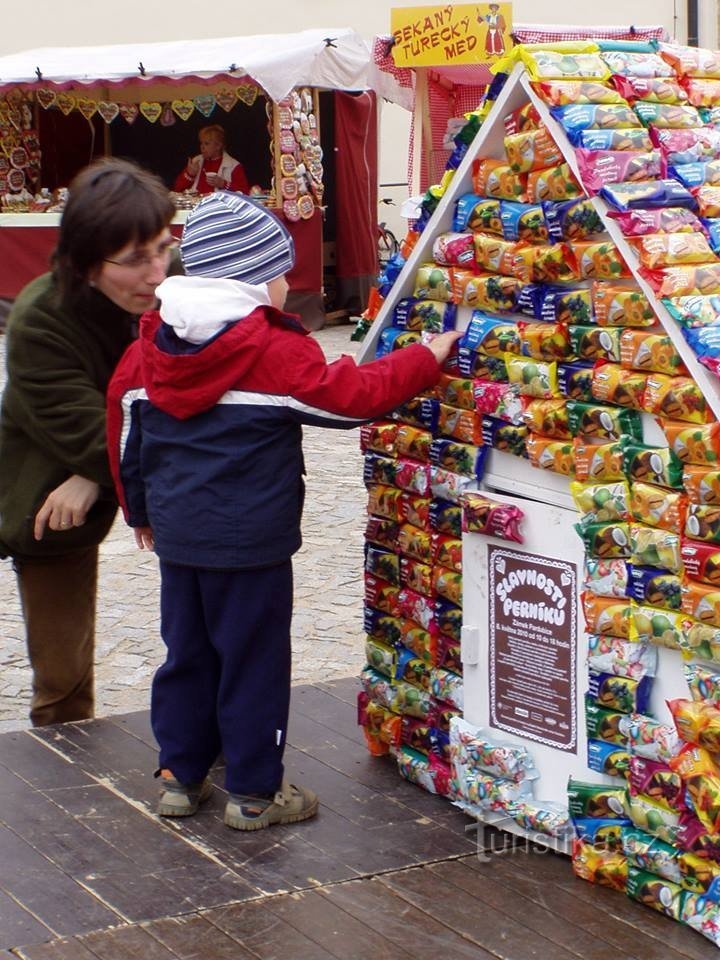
<point x="205" y="415"/>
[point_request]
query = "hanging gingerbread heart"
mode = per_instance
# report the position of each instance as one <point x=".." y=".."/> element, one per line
<point x="108" y="110"/>
<point x="285" y="118"/>
<point x="45" y="97"/>
<point x="247" y="92"/>
<point x="151" y="110"/>
<point x="226" y="99"/>
<point x="65" y="102"/>
<point x="129" y="112"/>
<point x="183" y="108"/>
<point x="168" y="118"/>
<point x="205" y="104"/>
<point x="88" y="108"/>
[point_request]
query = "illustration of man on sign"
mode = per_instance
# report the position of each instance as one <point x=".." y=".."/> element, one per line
<point x="495" y="37"/>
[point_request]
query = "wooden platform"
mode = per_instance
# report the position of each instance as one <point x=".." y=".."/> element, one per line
<point x="384" y="871"/>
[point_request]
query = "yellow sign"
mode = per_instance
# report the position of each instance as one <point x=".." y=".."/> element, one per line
<point x="450" y="35"/>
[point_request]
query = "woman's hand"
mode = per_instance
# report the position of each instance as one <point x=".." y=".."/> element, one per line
<point x="144" y="538"/>
<point x="66" y="506"/>
<point x="193" y="166"/>
<point x="216" y="181"/>
<point x="442" y="344"/>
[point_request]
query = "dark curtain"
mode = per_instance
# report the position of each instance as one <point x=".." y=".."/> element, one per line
<point x="355" y="197"/>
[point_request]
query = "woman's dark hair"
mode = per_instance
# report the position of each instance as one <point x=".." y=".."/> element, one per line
<point x="110" y="204"/>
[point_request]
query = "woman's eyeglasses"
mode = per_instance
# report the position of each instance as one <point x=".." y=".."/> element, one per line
<point x="142" y="259"/>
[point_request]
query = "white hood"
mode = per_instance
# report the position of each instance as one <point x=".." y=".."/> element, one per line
<point x="199" y="307"/>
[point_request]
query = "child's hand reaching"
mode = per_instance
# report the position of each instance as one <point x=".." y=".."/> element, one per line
<point x="442" y="344"/>
<point x="144" y="538"/>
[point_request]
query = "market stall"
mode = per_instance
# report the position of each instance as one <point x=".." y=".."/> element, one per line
<point x="542" y="611"/>
<point x="290" y="106"/>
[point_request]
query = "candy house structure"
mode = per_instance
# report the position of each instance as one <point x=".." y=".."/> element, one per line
<point x="542" y="606"/>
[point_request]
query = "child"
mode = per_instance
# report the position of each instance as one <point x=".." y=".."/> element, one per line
<point x="205" y="440"/>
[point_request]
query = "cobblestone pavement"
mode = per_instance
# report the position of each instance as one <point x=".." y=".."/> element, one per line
<point x="327" y="624"/>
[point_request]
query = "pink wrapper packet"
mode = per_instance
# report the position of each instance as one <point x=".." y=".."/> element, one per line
<point x="600" y="167"/>
<point x="638" y="223"/>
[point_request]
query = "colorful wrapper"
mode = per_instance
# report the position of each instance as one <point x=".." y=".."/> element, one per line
<point x="702" y="485"/>
<point x="606" y="578"/>
<point x="608" y="868"/>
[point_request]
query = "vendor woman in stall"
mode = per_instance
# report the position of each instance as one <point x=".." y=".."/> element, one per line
<point x="213" y="168"/>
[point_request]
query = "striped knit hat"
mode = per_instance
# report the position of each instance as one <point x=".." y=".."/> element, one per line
<point x="230" y="236"/>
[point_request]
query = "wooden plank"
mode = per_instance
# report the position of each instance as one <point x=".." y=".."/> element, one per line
<point x="553" y="869"/>
<point x="17" y="925"/>
<point x="265" y="934"/>
<point x="394" y="919"/>
<point x="30" y="759"/>
<point x="344" y="688"/>
<point x="195" y="938"/>
<point x="487" y="927"/>
<point x="326" y="709"/>
<point x="66" y="948"/>
<point x="125" y="943"/>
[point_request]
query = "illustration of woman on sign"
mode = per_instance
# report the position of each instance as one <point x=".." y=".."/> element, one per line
<point x="495" y="37"/>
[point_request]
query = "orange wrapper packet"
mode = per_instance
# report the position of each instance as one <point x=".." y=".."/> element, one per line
<point x="598" y="461"/>
<point x="463" y="425"/>
<point x="708" y="201"/>
<point x="698" y="444"/>
<point x="553" y="183"/>
<point x="613" y="384"/>
<point x="621" y="305"/>
<point x="548" y="418"/>
<point x="486" y="291"/>
<point x="549" y="454"/>
<point x="413" y="442"/>
<point x="702" y="485"/>
<point x="544" y="341"/>
<point x="598" y="260"/>
<point x="607" y="615"/>
<point x="666" y="249"/>
<point x="495" y="178"/>
<point x="559" y="93"/>
<point x="543" y="264"/>
<point x="658" y="506"/>
<point x="494" y="254"/>
<point x="697" y="723"/>
<point x="702" y="780"/>
<point x="648" y="350"/>
<point x="532" y="150"/>
<point x="684" y="281"/>
<point x="457" y="391"/>
<point x="702" y="601"/>
<point x="678" y="398"/>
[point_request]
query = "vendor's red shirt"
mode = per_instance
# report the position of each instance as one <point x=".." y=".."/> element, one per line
<point x="238" y="179"/>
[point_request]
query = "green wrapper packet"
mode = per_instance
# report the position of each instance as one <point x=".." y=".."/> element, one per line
<point x="606" y="540"/>
<point x="603" y="724"/>
<point x="651" y="464"/>
<point x="596" y="800"/>
<point x="662" y="895"/>
<point x="595" y="421"/>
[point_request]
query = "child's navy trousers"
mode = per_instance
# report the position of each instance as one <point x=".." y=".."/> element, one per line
<point x="226" y="682"/>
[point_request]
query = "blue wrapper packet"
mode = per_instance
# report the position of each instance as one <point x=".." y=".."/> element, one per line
<point x="634" y="138"/>
<point x="432" y="316"/>
<point x="705" y="341"/>
<point x="462" y="458"/>
<point x="523" y="222"/>
<point x="446" y="517"/>
<point x="501" y="435"/>
<point x="657" y="587"/>
<point x="575" y="381"/>
<point x="648" y="193"/>
<point x="473" y="212"/>
<point x="471" y="363"/>
<point x="530" y="300"/>
<point x="567" y="305"/>
<point x="695" y="311"/>
<point x="421" y="412"/>
<point x="571" y="220"/>
<point x="576" y="117"/>
<point x="619" y="693"/>
<point x="491" y="335"/>
<point x="696" y="174"/>
<point x="394" y="338"/>
<point x="607" y="758"/>
<point x="712" y="229"/>
<point x="448" y="617"/>
<point x="601" y="831"/>
<point x="382" y="563"/>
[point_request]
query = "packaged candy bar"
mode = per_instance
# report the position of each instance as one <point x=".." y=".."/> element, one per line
<point x="476" y="213"/>
<point x="598" y="462"/>
<point x="462" y="458"/>
<point x="558" y="93"/>
<point x="480" y="791"/>
<point x="596" y="800"/>
<point x="606" y="541"/>
<point x="379" y="437"/>
<point x="555" y="455"/>
<point x="651" y="740"/>
<point x="498" y="400"/>
<point x="423" y="645"/>
<point x="645" y="350"/>
<point x="606" y="578"/>
<point x="601" y="502"/>
<point x="532" y="150"/>
<point x="380" y="626"/>
<point x="687" y="146"/>
<point x="556" y="65"/>
<point x="627" y="63"/>
<point x="705" y="341"/>
<point x="623" y="694"/>
<point x="648" y="585"/>
<point x="543" y="264"/>
<point x="702" y="914"/>
<point x="604" y="724"/>
<point x="645" y="852"/>
<point x="599" y="260"/>
<point x="701" y="601"/>
<point x="621" y="305"/>
<point x="414" y="542"/>
<point x="418" y="412"/>
<point x="708" y="205"/>
<point x="483" y="515"/>
<point x="663" y="89"/>
<point x="599" y="167"/>
<point x="415" y="510"/>
<point x="607" y="615"/>
<point x="592" y="420"/>
<point x="575" y="381"/>
<point x="380" y="657"/>
<point x="454" y="249"/>
<point x="480" y="750"/>
<point x="712" y="229"/>
<point x="520" y="120"/>
<point x="607" y="868"/>
<point x="694" y="311"/>
<point x="654" y="548"/>
<point x="553" y="183"/>
<point x="449" y="485"/>
<point x="657" y="782"/>
<point x="658" y="507"/>
<point x="485" y="291"/>
<point x="576" y="117"/>
<point x="673" y="115"/>
<point x="406" y="474"/>
<point x="433" y="283"/>
<point x="653" y="819"/>
<point x="648" y="464"/>
<point x="648" y="194"/>
<point x="415" y="575"/>
<point x="473" y="364"/>
<point x="381" y="595"/>
<point x="662" y="627"/>
<point x="544" y="341"/>
<point x="430" y="316"/>
<point x="698" y="444"/>
<point x="448" y="619"/>
<point x="612" y="384"/>
<point x="494" y="178"/>
<point x="701" y="875"/>
<point x="572" y="220"/>
<point x="490" y="335"/>
<point x="703" y="92"/>
<point x="678" y="398"/>
<point x="607" y="758"/>
<point x="595" y="343"/>
<point x="639" y="223"/>
<point x="547" y="417"/>
<point x="447" y="551"/>
<point x="447" y="584"/>
<point x="702" y="485"/>
<point x="697" y="722"/>
<point x="413" y="442"/>
<point x="609" y="654"/>
<point x="494" y="254"/>
<point x="701" y="562"/>
<point x="419" y="769"/>
<point x="449" y="654"/>
<point x="393" y="338"/>
<point x="398" y="696"/>
<point x="563" y="305"/>
<point x="523" y="222"/>
<point x="505" y="436"/>
<point x="695" y="174"/>
<point x="446" y="517"/>
<point x="382" y="532"/>
<point x="634" y="138"/>
<point x="416" y="734"/>
<point x="455" y="391"/>
<point x="382" y="563"/>
<point x="533" y="378"/>
<point x="462" y="425"/>
<point x="701" y="641"/>
<point x="661" y="249"/>
<point x="691" y="61"/>
<point x="653" y="891"/>
<point x="448" y="686"/>
<point x="704" y="684"/>
<point x="702" y="781"/>
<point x="684" y="281"/>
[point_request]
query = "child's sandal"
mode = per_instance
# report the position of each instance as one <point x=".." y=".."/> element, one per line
<point x="182" y="799"/>
<point x="289" y="805"/>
